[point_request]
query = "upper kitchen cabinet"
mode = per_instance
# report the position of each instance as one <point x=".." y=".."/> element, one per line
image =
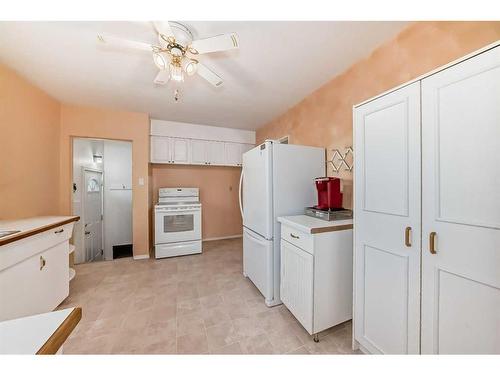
<point x="216" y="153"/>
<point x="180" y="143"/>
<point x="234" y="154"/>
<point x="170" y="150"/>
<point x="180" y="150"/>
<point x="199" y="151"/>
<point x="160" y="150"/>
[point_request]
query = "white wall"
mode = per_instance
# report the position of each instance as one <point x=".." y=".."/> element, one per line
<point x="83" y="156"/>
<point x="117" y="195"/>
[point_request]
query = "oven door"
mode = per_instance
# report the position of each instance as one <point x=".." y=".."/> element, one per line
<point x="177" y="225"/>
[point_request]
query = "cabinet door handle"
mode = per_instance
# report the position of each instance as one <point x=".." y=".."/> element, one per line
<point x="432" y="242"/>
<point x="42" y="262"/>
<point x="59" y="231"/>
<point x="407" y="236"/>
<point x="294" y="236"/>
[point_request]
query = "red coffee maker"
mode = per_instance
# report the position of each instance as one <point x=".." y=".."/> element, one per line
<point x="329" y="195"/>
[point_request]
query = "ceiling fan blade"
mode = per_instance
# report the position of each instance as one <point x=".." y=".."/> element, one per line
<point x="162" y="77"/>
<point x="113" y="41"/>
<point x="216" y="43"/>
<point x="210" y="76"/>
<point x="163" y="28"/>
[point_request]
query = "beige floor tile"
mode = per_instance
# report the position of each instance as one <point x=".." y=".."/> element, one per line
<point x="222" y="335"/>
<point x="192" y="344"/>
<point x="190" y="324"/>
<point x="228" y="349"/>
<point x="257" y="345"/>
<point x="214" y="316"/>
<point x="284" y="341"/>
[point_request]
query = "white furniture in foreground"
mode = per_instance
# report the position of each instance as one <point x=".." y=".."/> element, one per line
<point x="38" y="334"/>
<point x="316" y="271"/>
<point x="34" y="267"/>
<point x="441" y="295"/>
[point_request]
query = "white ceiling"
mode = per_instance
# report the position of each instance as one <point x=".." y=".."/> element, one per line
<point x="278" y="64"/>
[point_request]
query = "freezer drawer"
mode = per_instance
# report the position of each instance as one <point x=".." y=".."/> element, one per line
<point x="258" y="262"/>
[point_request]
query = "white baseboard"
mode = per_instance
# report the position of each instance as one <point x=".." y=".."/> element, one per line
<point x="223" y="238"/>
<point x="143" y="256"/>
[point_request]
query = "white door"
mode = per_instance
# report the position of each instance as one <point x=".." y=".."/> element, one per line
<point x="216" y="153"/>
<point x="160" y="149"/>
<point x="257" y="262"/>
<point x="180" y="150"/>
<point x="461" y="204"/>
<point x="92" y="215"/>
<point x="233" y="154"/>
<point x="387" y="205"/>
<point x="199" y="151"/>
<point x="297" y="283"/>
<point x="257" y="190"/>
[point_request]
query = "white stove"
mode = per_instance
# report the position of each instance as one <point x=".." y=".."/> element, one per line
<point x="177" y="222"/>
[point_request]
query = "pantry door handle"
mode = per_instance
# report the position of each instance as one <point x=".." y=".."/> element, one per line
<point x="294" y="236"/>
<point x="59" y="231"/>
<point x="407" y="236"/>
<point x="42" y="262"/>
<point x="432" y="242"/>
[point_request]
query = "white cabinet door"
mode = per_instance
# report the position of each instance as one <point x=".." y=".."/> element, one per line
<point x="160" y="149"/>
<point x="199" y="151"/>
<point x="180" y="150"/>
<point x="387" y="201"/>
<point x="461" y="204"/>
<point x="36" y="285"/>
<point x="297" y="283"/>
<point x="233" y="154"/>
<point x="216" y="153"/>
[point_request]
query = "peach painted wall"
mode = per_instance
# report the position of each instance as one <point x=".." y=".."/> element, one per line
<point x="324" y="118"/>
<point x="218" y="193"/>
<point x="78" y="121"/>
<point x="29" y="149"/>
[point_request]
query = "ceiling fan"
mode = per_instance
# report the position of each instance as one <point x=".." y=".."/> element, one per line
<point x="176" y="51"/>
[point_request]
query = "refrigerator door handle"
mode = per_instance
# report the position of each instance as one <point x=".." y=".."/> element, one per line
<point x="239" y="193"/>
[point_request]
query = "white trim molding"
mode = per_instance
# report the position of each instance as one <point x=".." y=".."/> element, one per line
<point x="142" y="256"/>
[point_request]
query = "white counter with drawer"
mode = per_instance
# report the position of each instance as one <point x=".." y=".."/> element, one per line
<point x="316" y="271"/>
<point x="34" y="265"/>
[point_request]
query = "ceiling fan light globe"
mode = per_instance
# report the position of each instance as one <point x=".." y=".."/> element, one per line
<point x="176" y="73"/>
<point x="160" y="60"/>
<point x="189" y="66"/>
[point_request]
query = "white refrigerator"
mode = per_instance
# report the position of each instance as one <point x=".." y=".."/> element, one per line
<point x="276" y="180"/>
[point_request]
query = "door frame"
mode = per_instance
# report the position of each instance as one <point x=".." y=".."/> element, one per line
<point x="82" y="199"/>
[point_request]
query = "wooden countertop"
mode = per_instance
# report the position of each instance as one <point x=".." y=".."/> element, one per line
<point x="312" y="225"/>
<point x="38" y="334"/>
<point x="31" y="226"/>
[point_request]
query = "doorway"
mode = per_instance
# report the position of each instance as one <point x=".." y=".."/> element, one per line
<point x="102" y="197"/>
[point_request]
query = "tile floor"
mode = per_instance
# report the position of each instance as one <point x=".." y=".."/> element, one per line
<point x="197" y="304"/>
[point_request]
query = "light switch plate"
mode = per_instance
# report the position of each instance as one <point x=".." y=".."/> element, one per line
<point x="141" y="181"/>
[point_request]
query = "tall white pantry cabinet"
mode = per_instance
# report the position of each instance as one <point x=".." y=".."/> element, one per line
<point x="427" y="213"/>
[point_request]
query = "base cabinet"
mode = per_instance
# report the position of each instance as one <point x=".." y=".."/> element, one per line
<point x="316" y="277"/>
<point x="34" y="273"/>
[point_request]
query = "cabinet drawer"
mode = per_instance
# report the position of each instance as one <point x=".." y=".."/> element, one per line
<point x="35" y="285"/>
<point x="300" y="239"/>
<point x="25" y="248"/>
